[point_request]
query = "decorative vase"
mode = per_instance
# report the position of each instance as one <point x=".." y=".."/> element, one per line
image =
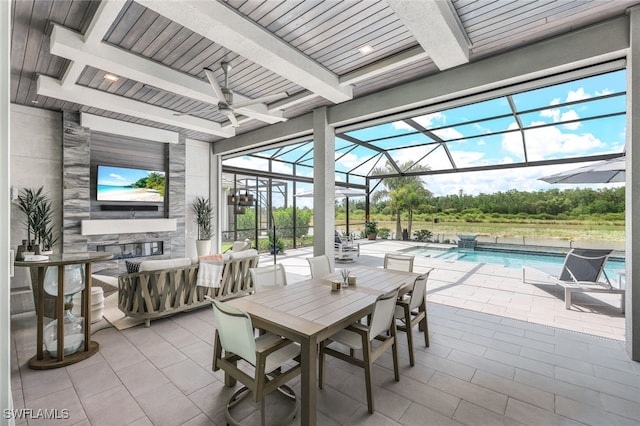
<point x="372" y="236"/>
<point x="203" y="247"/>
<point x="73" y="326"/>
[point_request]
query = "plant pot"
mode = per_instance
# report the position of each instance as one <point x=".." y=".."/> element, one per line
<point x="203" y="247"/>
<point x="271" y="250"/>
<point x="372" y="236"/>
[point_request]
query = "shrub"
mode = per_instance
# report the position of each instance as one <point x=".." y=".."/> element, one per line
<point x="384" y="233"/>
<point x="423" y="235"/>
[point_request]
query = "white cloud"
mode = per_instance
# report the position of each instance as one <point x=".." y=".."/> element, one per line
<point x="426" y="121"/>
<point x="487" y="182"/>
<point x="568" y="116"/>
<point x="577" y="95"/>
<point x="348" y="160"/>
<point x="116" y="176"/>
<point x="549" y="142"/>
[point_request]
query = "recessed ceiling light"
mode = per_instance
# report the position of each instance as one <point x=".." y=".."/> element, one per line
<point x="366" y="49"/>
<point x="111" y="77"/>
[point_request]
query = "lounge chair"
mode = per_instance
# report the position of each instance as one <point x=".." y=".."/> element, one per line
<point x="581" y="273"/>
<point x="345" y="248"/>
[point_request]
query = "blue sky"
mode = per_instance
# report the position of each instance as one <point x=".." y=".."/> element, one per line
<point x="120" y="176"/>
<point x="480" y="137"/>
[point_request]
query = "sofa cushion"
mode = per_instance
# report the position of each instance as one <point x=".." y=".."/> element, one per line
<point x="238" y="255"/>
<point x="155" y="265"/>
<point x="132" y="267"/>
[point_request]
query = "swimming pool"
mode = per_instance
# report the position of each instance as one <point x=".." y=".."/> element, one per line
<point x="508" y="259"/>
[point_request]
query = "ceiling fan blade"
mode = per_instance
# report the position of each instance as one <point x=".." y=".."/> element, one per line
<point x="261" y="100"/>
<point x="195" y="111"/>
<point x="261" y="114"/>
<point x="217" y="90"/>
<point x="232" y="117"/>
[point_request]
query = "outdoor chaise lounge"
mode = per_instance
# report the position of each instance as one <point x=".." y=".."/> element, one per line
<point x="580" y="273"/>
<point x="345" y="248"/>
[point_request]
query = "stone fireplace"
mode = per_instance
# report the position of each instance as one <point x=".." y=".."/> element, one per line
<point x="149" y="236"/>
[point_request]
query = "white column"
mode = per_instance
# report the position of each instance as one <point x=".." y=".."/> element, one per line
<point x="6" y="401"/>
<point x="324" y="184"/>
<point x="632" y="199"/>
<point x="218" y="204"/>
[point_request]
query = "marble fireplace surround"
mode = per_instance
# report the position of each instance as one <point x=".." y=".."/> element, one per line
<point x="82" y="233"/>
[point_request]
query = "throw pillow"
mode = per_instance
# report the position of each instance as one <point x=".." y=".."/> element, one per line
<point x="132" y="267"/>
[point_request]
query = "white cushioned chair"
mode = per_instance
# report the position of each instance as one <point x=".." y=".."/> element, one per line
<point x="360" y="337"/>
<point x="320" y="266"/>
<point x="411" y="309"/>
<point x="398" y="262"/>
<point x="267" y="277"/>
<point x="269" y="354"/>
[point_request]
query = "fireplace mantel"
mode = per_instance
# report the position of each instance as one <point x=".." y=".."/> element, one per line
<point x="127" y="226"/>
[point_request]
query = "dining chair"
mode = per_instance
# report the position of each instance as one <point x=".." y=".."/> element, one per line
<point x="320" y="266"/>
<point x="411" y="309"/>
<point x="267" y="277"/>
<point x="398" y="262"/>
<point x="268" y="354"/>
<point x="360" y="337"/>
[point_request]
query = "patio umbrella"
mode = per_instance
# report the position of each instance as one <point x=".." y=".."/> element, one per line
<point x="340" y="193"/>
<point x="608" y="171"/>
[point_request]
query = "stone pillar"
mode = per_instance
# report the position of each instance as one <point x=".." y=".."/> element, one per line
<point x="76" y="201"/>
<point x="324" y="184"/>
<point x="632" y="201"/>
<point x="177" y="195"/>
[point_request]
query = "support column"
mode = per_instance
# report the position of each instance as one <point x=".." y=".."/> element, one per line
<point x="632" y="197"/>
<point x="324" y="184"/>
<point x="6" y="399"/>
<point x="219" y="205"/>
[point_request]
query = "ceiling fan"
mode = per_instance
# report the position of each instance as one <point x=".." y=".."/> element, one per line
<point x="225" y="95"/>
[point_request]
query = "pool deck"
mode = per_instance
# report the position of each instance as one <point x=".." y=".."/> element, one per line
<point x="487" y="288"/>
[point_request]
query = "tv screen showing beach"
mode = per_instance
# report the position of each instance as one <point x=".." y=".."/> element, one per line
<point x="125" y="184"/>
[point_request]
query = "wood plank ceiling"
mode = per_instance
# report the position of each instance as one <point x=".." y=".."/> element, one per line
<point x="161" y="58"/>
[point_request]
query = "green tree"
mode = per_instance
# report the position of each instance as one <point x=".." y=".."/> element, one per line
<point x="399" y="190"/>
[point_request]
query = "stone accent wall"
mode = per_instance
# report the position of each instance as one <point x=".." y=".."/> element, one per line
<point x="177" y="194"/>
<point x="76" y="202"/>
<point x="77" y="198"/>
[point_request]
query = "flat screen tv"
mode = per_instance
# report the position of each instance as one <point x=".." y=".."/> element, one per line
<point x="127" y="184"/>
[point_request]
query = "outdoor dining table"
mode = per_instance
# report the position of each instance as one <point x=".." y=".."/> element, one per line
<point x="307" y="312"/>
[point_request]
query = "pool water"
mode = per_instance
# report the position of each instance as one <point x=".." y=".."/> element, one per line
<point x="508" y="259"/>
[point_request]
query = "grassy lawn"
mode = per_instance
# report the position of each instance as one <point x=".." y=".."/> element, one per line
<point x="554" y="230"/>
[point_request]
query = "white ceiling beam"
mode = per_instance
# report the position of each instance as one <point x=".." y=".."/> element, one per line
<point x="384" y="66"/>
<point x="100" y="23"/>
<point x="436" y="26"/>
<point x="123" y="128"/>
<point x="53" y="88"/>
<point x="70" y="45"/>
<point x="218" y="23"/>
<point x="586" y="47"/>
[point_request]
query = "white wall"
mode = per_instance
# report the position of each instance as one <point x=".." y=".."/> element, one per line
<point x="197" y="184"/>
<point x="36" y="160"/>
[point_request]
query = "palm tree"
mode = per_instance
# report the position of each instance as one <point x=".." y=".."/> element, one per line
<point x="404" y="192"/>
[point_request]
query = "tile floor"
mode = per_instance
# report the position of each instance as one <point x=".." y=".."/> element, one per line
<point x="502" y="353"/>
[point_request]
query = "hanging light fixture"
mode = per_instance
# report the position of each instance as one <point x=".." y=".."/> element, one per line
<point x="232" y="199"/>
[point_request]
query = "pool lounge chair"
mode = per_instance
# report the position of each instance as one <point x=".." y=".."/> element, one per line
<point x="345" y="248"/>
<point x="581" y="273"/>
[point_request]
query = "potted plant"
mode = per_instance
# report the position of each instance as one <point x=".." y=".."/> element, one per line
<point x="276" y="246"/>
<point x="203" y="215"/>
<point x="38" y="209"/>
<point x="371" y="229"/>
